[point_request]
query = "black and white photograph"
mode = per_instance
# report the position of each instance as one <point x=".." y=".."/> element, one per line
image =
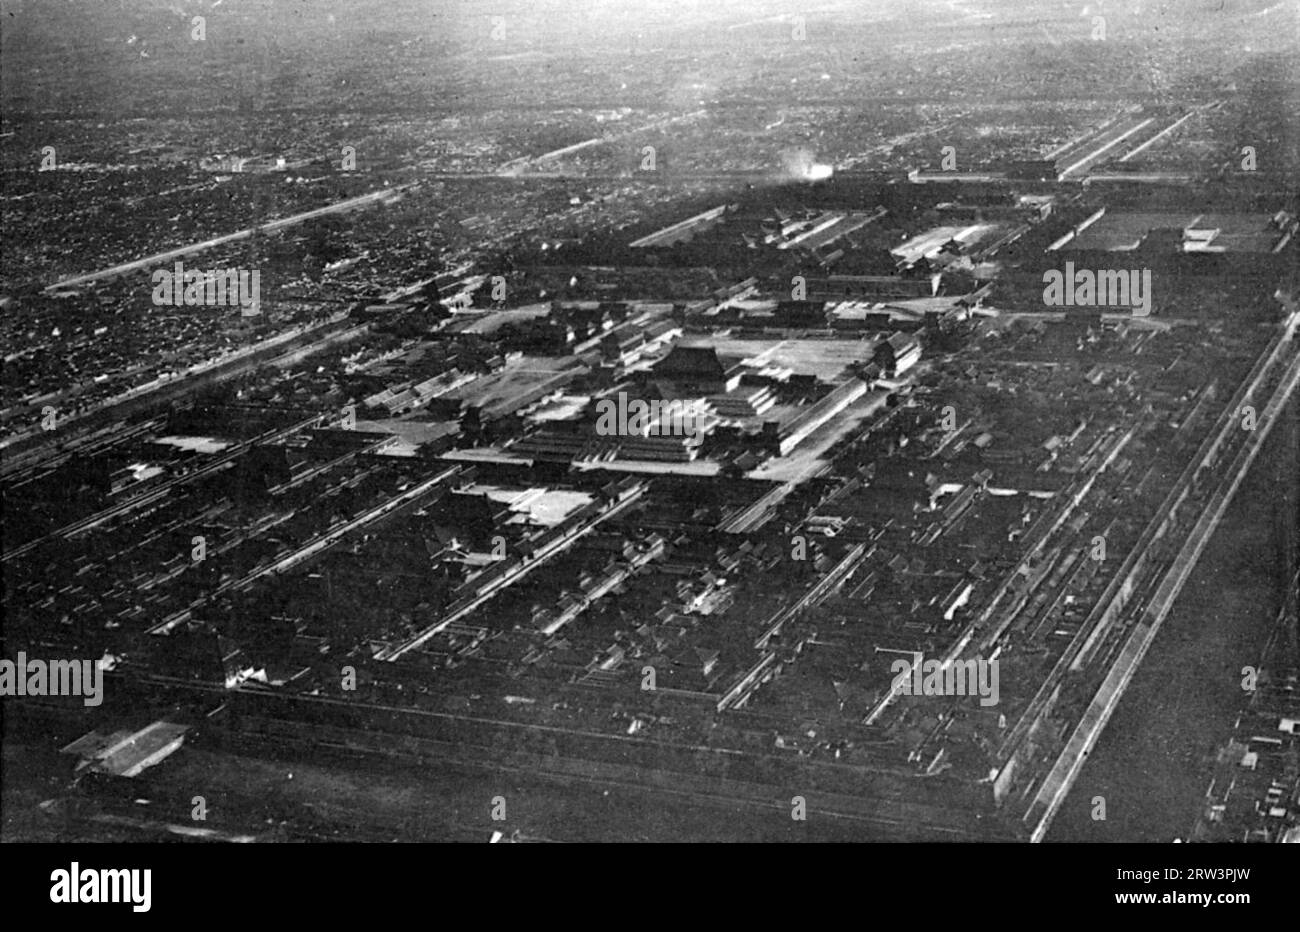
<point x="651" y="422"/>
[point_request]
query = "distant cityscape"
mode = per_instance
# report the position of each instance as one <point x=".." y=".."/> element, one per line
<point x="704" y="422"/>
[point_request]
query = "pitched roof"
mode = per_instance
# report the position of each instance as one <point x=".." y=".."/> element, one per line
<point x="698" y="362"/>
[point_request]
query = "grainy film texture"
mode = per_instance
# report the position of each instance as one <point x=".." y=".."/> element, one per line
<point x="595" y="420"/>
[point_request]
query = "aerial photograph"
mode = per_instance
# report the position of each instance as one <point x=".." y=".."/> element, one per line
<point x="695" y="421"/>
